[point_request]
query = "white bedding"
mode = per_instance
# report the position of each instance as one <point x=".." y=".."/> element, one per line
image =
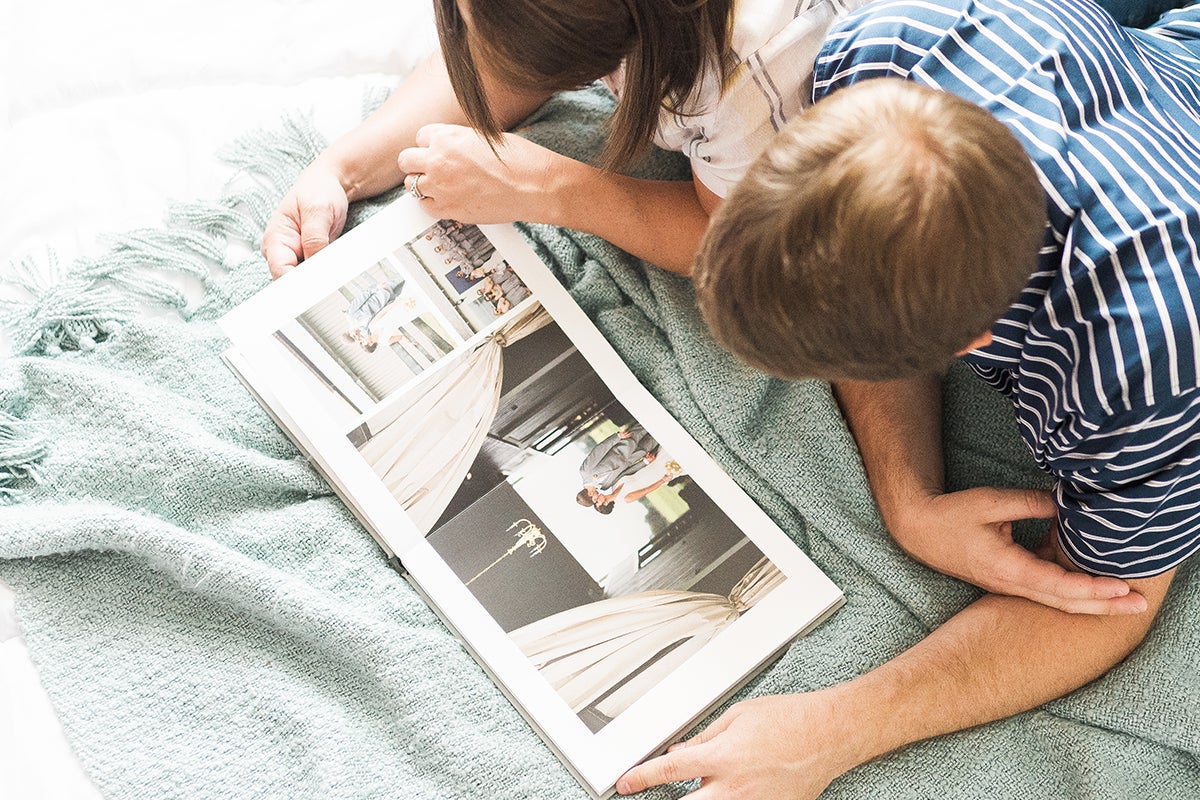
<point x="108" y="111"/>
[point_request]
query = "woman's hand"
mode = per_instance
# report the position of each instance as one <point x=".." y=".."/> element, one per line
<point x="310" y="216"/>
<point x="459" y="177"/>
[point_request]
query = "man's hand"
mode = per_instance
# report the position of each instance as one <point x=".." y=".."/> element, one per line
<point x="968" y="535"/>
<point x="787" y="747"/>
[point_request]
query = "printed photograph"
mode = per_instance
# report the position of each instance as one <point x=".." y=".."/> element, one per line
<point x="394" y="322"/>
<point x="584" y="538"/>
<point x="469" y="272"/>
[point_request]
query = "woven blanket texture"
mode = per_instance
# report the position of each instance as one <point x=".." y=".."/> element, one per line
<point x="211" y="622"/>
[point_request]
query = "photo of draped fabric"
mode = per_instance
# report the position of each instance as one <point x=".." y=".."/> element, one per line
<point x="423" y="449"/>
<point x="607" y="654"/>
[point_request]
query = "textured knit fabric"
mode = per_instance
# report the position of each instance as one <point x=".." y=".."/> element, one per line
<point x="1101" y="353"/>
<point x="210" y="622"/>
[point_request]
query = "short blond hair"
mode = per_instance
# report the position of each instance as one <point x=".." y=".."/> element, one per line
<point x="880" y="233"/>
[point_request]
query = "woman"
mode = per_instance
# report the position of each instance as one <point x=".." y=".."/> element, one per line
<point x="713" y="79"/>
<point x="710" y="78"/>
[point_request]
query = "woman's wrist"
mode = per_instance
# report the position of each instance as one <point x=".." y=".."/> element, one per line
<point x="359" y="178"/>
<point x="567" y="193"/>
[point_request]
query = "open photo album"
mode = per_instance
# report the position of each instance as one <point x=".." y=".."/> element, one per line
<point x="613" y="581"/>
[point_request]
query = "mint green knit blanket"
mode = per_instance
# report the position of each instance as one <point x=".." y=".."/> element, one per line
<point x="211" y="622"/>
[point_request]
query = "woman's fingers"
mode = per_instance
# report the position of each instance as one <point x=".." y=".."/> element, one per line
<point x="281" y="245"/>
<point x="413" y="159"/>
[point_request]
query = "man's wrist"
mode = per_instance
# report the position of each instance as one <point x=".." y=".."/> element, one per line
<point x="850" y="733"/>
<point x="868" y="719"/>
<point x="906" y="513"/>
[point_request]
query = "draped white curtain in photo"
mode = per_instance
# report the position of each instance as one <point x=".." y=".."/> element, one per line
<point x="424" y="453"/>
<point x="603" y="654"/>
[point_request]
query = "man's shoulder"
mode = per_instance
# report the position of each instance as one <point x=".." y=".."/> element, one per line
<point x="887" y="38"/>
<point x="904" y="20"/>
<point x="940" y="15"/>
<point x="928" y="37"/>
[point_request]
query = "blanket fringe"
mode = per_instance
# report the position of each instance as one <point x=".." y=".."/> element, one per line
<point x="276" y="157"/>
<point x="21" y="451"/>
<point x="59" y="311"/>
<point x="239" y="216"/>
<point x="76" y="306"/>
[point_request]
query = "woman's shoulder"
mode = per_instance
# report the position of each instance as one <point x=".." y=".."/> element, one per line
<point x="757" y="22"/>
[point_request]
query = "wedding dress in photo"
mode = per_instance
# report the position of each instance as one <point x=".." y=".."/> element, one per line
<point x="609" y="653"/>
<point x="423" y="453"/>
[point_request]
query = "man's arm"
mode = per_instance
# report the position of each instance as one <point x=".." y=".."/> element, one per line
<point x="998" y="657"/>
<point x="967" y="534"/>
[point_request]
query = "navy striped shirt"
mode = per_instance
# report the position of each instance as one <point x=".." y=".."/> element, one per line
<point x="1101" y="353"/>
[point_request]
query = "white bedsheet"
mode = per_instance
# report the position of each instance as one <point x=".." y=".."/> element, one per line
<point x="108" y="111"/>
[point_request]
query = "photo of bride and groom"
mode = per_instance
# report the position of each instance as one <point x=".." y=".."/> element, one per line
<point x="624" y="468"/>
<point x="372" y="336"/>
<point x="385" y="313"/>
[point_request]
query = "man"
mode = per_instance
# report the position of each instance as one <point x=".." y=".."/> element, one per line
<point x="621" y="454"/>
<point x="1013" y="182"/>
<point x="364" y="307"/>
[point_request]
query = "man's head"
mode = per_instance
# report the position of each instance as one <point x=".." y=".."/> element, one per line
<point x="879" y="234"/>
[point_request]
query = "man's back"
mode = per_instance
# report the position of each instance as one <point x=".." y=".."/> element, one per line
<point x="1101" y="353"/>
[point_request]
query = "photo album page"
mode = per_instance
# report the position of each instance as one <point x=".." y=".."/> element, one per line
<point x="609" y="576"/>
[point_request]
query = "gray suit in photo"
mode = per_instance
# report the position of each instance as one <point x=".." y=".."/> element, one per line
<point x="616" y="457"/>
<point x="369" y="302"/>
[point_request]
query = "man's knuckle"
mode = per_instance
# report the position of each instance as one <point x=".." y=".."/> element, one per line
<point x="1071" y="606"/>
<point x="1003" y="575"/>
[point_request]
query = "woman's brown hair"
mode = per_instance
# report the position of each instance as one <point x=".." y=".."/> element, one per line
<point x="667" y="46"/>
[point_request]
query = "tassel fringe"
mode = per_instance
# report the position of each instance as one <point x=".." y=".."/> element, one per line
<point x="77" y="306"/>
<point x="60" y="311"/>
<point x="21" y="451"/>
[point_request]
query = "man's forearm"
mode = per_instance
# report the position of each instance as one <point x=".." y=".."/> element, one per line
<point x="998" y="657"/>
<point x="898" y="428"/>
